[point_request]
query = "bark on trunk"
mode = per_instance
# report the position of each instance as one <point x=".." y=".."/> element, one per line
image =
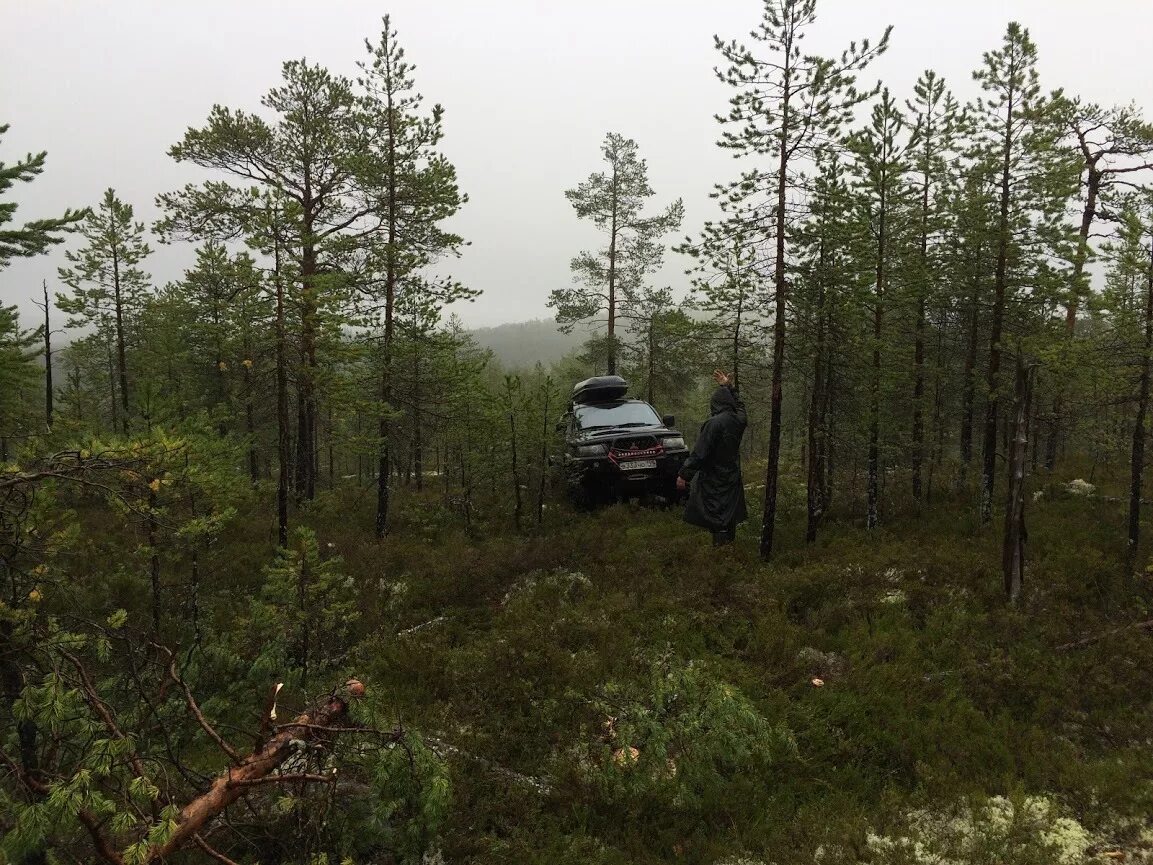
<point x="874" y="497"/>
<point x="1137" y="459"/>
<point x="121" y="350"/>
<point x="772" y="471"/>
<point x="612" y="322"/>
<point x="1013" y="547"/>
<point x="48" y="389"/>
<point x="918" y="436"/>
<point x="518" y="504"/>
<point x="282" y="450"/>
<point x="384" y="481"/>
<point x="993" y="382"/>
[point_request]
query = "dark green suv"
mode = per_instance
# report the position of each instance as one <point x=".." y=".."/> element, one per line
<point x="616" y="447"/>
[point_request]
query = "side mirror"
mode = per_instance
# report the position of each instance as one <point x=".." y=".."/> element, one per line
<point x="669" y="421"/>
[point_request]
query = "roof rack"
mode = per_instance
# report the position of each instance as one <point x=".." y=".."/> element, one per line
<point x="601" y="388"/>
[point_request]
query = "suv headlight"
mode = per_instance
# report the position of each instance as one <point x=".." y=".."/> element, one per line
<point x="591" y="450"/>
<point x="674" y="443"/>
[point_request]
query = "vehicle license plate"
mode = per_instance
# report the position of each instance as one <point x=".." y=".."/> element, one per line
<point x="638" y="464"/>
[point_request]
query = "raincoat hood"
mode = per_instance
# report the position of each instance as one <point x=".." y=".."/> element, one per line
<point x="722" y="400"/>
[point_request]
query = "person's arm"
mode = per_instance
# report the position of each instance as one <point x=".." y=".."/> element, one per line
<point x="741" y="413"/>
<point x="724" y="380"/>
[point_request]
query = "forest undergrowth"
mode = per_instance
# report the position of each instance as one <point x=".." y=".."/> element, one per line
<point x="616" y="690"/>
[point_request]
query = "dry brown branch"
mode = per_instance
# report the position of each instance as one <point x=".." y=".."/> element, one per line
<point x="283" y="779"/>
<point x="232" y="784"/>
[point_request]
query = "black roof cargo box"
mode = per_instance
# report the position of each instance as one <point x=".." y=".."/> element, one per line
<point x="601" y="388"/>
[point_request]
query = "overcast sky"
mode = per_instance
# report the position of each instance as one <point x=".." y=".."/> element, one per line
<point x="530" y="87"/>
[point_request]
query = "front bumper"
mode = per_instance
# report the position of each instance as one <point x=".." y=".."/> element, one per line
<point x="604" y="474"/>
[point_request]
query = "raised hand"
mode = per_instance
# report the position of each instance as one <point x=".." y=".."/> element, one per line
<point x="721" y="378"/>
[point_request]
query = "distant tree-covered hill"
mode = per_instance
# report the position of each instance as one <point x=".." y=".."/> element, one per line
<point x="523" y="343"/>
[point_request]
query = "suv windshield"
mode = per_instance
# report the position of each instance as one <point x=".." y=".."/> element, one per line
<point x="616" y="414"/>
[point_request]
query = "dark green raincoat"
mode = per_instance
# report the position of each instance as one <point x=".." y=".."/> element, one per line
<point x="713" y="469"/>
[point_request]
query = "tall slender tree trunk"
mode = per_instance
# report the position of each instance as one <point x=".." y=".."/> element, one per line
<point x="1137" y="459"/>
<point x="518" y="504"/>
<point x="417" y="433"/>
<point x="612" y="322"/>
<point x="383" y="488"/>
<point x="48" y="388"/>
<point x="918" y="432"/>
<point x="969" y="383"/>
<point x="817" y="438"/>
<point x="112" y="387"/>
<point x="306" y="438"/>
<point x="544" y="438"/>
<point x="938" y="408"/>
<point x="772" y="471"/>
<point x="873" y="493"/>
<point x="995" y="333"/>
<point x="121" y="350"/>
<point x="827" y="418"/>
<point x="330" y="439"/>
<point x="222" y="390"/>
<point x="250" y="413"/>
<point x="736" y="360"/>
<point x="652" y="361"/>
<point x="282" y="448"/>
<point x="1088" y="213"/>
<point x="1013" y="546"/>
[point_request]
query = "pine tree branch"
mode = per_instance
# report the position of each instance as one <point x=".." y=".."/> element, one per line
<point x="195" y="709"/>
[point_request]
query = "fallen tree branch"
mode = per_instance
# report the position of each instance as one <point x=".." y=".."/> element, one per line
<point x="1096" y="638"/>
<point x="282" y="779"/>
<point x="232" y="784"/>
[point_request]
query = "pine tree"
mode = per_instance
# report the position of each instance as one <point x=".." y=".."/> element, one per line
<point x="934" y="121"/>
<point x="306" y="167"/>
<point x="879" y="154"/>
<point x="46" y="333"/>
<point x="109" y="288"/>
<point x="609" y="281"/>
<point x="829" y="243"/>
<point x="1128" y="300"/>
<point x="18" y="376"/>
<point x="415" y="190"/>
<point x="661" y="354"/>
<point x="1113" y="145"/>
<point x="1017" y="143"/>
<point x="788" y="106"/>
<point x="729" y="288"/>
<point x="36" y="237"/>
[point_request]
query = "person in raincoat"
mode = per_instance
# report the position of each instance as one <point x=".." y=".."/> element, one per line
<point x="712" y="472"/>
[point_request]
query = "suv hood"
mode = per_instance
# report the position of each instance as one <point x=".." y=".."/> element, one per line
<point x="600" y="435"/>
